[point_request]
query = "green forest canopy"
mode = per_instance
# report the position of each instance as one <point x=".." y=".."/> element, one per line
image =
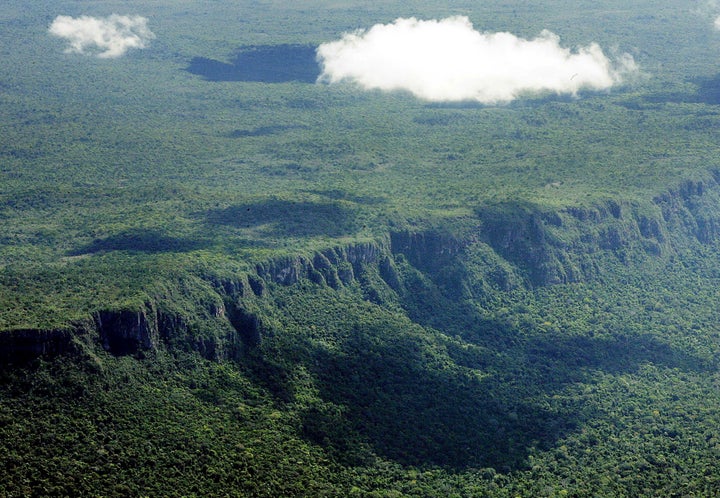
<point x="136" y="180"/>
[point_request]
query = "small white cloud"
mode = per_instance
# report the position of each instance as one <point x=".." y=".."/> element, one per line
<point x="105" y="37"/>
<point x="717" y="23"/>
<point x="448" y="60"/>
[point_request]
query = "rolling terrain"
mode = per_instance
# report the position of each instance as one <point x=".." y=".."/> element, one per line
<point x="223" y="272"/>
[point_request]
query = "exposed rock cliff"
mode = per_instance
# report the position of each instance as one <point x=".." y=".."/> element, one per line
<point x="333" y="266"/>
<point x="551" y="247"/>
<point x="126" y="332"/>
<point x="21" y="346"/>
<point x="511" y="244"/>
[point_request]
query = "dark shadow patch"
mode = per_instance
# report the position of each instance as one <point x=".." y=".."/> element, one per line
<point x="288" y="218"/>
<point x="618" y="354"/>
<point x="140" y="240"/>
<point x="467" y="392"/>
<point x="261" y="63"/>
<point x="410" y="412"/>
<point x="708" y="92"/>
<point x="23" y="346"/>
<point x="247" y="324"/>
<point x="417" y="415"/>
<point x="656" y="100"/>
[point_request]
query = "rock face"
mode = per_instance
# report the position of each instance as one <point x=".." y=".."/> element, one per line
<point x="126" y="332"/>
<point x="692" y="209"/>
<point x="551" y="247"/>
<point x="427" y="251"/>
<point x="512" y="244"/>
<point x="247" y="325"/>
<point x="20" y="346"/>
<point x="520" y="234"/>
<point x="334" y="266"/>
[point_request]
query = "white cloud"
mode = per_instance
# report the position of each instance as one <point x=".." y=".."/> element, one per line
<point x="448" y="60"/>
<point x="717" y="23"/>
<point x="105" y="37"/>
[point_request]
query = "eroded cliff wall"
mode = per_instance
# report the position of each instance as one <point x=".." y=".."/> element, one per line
<point x="508" y="245"/>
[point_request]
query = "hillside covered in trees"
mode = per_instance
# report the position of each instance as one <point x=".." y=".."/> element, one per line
<point x="359" y="249"/>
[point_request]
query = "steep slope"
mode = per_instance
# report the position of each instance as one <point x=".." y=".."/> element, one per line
<point x="507" y="246"/>
<point x="494" y="358"/>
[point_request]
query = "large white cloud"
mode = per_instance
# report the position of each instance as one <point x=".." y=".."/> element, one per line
<point x="448" y="60"/>
<point x="105" y="37"/>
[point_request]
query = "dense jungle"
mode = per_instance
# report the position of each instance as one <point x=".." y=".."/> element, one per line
<point x="244" y="251"/>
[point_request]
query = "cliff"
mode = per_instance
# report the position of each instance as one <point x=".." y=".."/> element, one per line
<point x="511" y="244"/>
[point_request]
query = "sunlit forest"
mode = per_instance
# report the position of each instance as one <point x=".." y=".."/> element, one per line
<point x="346" y="248"/>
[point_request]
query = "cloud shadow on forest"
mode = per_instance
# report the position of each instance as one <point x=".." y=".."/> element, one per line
<point x="708" y="92"/>
<point x="141" y="240"/>
<point x="415" y="415"/>
<point x="283" y="218"/>
<point x="261" y="63"/>
<point x="619" y="354"/>
<point x="406" y="410"/>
